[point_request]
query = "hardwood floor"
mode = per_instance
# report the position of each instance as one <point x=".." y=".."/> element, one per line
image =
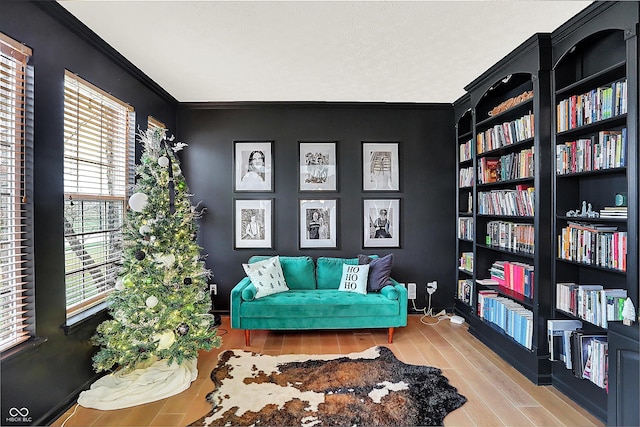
<point x="497" y="394"/>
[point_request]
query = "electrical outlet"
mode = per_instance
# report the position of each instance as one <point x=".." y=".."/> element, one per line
<point x="213" y="289"/>
<point x="432" y="287"/>
<point x="411" y="290"/>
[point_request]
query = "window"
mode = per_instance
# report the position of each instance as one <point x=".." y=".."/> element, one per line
<point x="16" y="282"/>
<point x="153" y="123"/>
<point x="98" y="136"/>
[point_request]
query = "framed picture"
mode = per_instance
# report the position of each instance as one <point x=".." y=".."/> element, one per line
<point x="253" y="170"/>
<point x="318" y="166"/>
<point x="253" y="223"/>
<point x="318" y="225"/>
<point x="381" y="223"/>
<point x="380" y="166"/>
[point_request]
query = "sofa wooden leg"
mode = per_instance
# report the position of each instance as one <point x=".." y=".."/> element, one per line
<point x="390" y="336"/>
<point x="247" y="337"/>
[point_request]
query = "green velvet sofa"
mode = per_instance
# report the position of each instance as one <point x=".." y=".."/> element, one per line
<point x="313" y="301"/>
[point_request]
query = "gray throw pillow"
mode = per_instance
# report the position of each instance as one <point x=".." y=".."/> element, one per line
<point x="379" y="271"/>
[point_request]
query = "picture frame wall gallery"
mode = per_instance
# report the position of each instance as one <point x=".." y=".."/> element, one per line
<point x="317" y="172"/>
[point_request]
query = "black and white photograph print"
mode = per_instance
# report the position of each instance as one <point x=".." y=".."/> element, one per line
<point x="253" y="223"/>
<point x="318" y="166"/>
<point x="253" y="169"/>
<point x="318" y="223"/>
<point x="381" y="223"/>
<point x="380" y="166"/>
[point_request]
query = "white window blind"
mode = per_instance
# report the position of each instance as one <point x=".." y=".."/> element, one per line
<point x="98" y="136"/>
<point x="16" y="286"/>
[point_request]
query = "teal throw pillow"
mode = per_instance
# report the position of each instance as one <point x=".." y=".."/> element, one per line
<point x="354" y="278"/>
<point x="266" y="276"/>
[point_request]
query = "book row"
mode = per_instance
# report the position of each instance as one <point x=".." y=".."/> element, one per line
<point x="593" y="244"/>
<point x="514" y="319"/>
<point x="607" y="150"/>
<point x="465" y="290"/>
<point x="598" y="104"/>
<point x="465" y="228"/>
<point x="511" y="236"/>
<point x="516" y="276"/>
<point x="518" y="202"/>
<point x="466" y="261"/>
<point x="466" y="177"/>
<point x="585" y="353"/>
<point x="591" y="303"/>
<point x="505" y="134"/>
<point x="507" y="167"/>
<point x="466" y="152"/>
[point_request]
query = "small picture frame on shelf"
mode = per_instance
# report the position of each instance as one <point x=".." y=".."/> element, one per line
<point x="253" y="223"/>
<point x="253" y="166"/>
<point x="380" y="166"/>
<point x="318" y="166"/>
<point x="318" y="224"/>
<point x="381" y="225"/>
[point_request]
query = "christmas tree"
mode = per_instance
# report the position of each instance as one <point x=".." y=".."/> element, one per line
<point x="160" y="305"/>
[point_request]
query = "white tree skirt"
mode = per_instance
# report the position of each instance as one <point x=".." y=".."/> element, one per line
<point x="158" y="381"/>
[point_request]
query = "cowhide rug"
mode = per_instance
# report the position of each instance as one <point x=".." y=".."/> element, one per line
<point x="358" y="389"/>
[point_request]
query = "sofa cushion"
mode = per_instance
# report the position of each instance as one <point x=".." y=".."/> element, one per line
<point x="354" y="278"/>
<point x="379" y="271"/>
<point x="329" y="271"/>
<point x="266" y="276"/>
<point x="323" y="302"/>
<point x="298" y="271"/>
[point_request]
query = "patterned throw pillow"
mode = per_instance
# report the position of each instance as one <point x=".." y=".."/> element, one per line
<point x="354" y="278"/>
<point x="266" y="276"/>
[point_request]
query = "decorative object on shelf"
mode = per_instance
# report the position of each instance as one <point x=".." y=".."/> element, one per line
<point x="621" y="199"/>
<point x="253" y="161"/>
<point x="511" y="102"/>
<point x="253" y="223"/>
<point x="318" y="166"/>
<point x="318" y="223"/>
<point x="380" y="166"/>
<point x="586" y="212"/>
<point x="628" y="312"/>
<point x="381" y="223"/>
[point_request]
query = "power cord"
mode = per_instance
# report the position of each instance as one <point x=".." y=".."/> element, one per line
<point x="428" y="312"/>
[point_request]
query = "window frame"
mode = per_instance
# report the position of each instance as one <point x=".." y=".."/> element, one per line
<point x="84" y="151"/>
<point x="17" y="305"/>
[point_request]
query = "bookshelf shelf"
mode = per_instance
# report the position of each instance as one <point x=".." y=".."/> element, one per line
<point x="516" y="200"/>
<point x="585" y="155"/>
<point x="516" y="146"/>
<point x="609" y="74"/>
<point x="506" y="251"/>
<point x="595" y="147"/>
<point x="595" y="126"/>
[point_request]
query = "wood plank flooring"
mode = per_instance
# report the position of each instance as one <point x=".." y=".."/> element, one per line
<point x="497" y="394"/>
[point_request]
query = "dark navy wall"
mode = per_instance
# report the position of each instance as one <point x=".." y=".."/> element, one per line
<point x="46" y="378"/>
<point x="425" y="133"/>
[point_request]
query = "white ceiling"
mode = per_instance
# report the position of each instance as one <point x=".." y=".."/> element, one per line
<point x="378" y="51"/>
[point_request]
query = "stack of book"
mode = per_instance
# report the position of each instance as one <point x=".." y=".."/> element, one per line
<point x="594" y="244"/>
<point x="614" y="212"/>
<point x="518" y="202"/>
<point x="465" y="151"/>
<point x="514" y="319"/>
<point x="466" y="261"/>
<point x="465" y="290"/>
<point x="584" y="352"/>
<point x="516" y="276"/>
<point x="465" y="228"/>
<point x="506" y="133"/>
<point x="592" y="303"/>
<point x="511" y="236"/>
<point x="598" y="104"/>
